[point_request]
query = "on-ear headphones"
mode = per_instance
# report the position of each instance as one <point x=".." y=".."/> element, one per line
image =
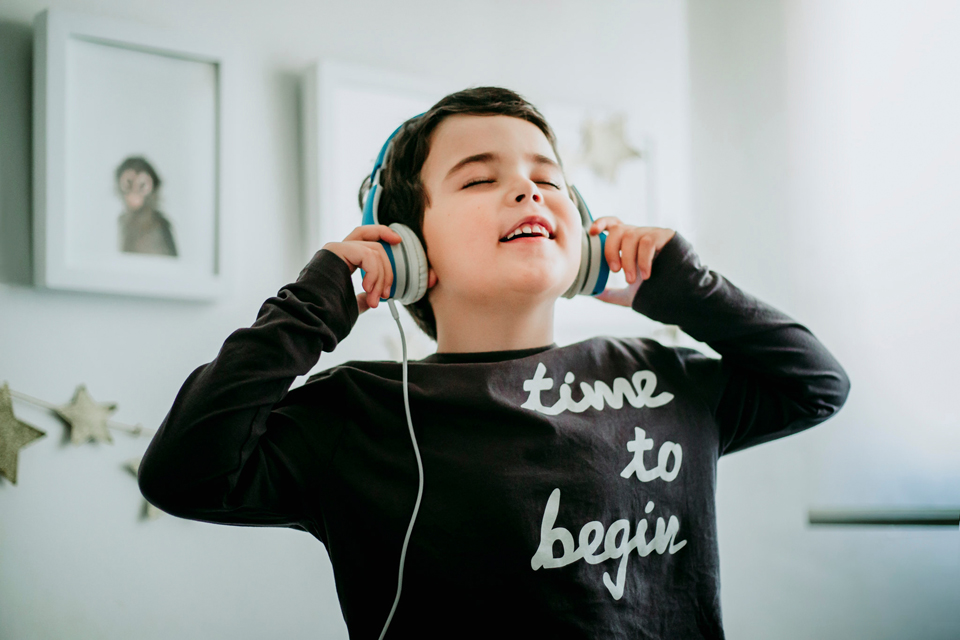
<point x="409" y="260"/>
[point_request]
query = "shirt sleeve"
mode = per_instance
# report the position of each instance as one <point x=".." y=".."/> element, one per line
<point x="774" y="377"/>
<point x="223" y="454"/>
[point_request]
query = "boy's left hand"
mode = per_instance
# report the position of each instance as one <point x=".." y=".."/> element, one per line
<point x="632" y="249"/>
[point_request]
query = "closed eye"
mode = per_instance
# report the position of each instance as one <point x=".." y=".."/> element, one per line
<point x="490" y="181"/>
<point x="475" y="182"/>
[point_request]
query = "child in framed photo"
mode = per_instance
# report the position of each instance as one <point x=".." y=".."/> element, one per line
<point x="142" y="227"/>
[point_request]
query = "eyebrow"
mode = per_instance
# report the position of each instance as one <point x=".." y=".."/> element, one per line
<point x="481" y="158"/>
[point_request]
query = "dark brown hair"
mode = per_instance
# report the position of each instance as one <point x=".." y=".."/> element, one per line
<point x="404" y="198"/>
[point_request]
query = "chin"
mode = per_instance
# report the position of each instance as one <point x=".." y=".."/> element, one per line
<point x="534" y="285"/>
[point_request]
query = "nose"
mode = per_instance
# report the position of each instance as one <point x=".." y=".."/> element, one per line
<point x="527" y="189"/>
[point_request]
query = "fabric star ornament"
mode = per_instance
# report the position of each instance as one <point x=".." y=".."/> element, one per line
<point x="87" y="419"/>
<point x="14" y="435"/>
<point x="605" y="147"/>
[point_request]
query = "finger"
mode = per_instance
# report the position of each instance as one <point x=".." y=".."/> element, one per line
<point x="611" y="248"/>
<point x="380" y="264"/>
<point x="362" y="302"/>
<point x="665" y="236"/>
<point x="645" y="254"/>
<point x="377" y="287"/>
<point x="374" y="232"/>
<point x="604" y="223"/>
<point x="628" y="252"/>
<point x="372" y="266"/>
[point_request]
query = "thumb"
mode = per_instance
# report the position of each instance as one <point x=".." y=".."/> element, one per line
<point x="623" y="297"/>
<point x="362" y="302"/>
<point x="612" y="296"/>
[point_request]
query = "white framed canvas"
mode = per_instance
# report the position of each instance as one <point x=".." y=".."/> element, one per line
<point x="127" y="159"/>
<point x="349" y="112"/>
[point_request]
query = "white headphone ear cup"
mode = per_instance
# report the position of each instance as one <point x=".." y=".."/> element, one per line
<point x="411" y="252"/>
<point x="594" y="268"/>
<point x="583" y="271"/>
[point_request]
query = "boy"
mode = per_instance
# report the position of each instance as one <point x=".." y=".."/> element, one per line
<point x="550" y="508"/>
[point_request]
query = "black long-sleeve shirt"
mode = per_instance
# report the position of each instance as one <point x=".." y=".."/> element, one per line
<point x="569" y="491"/>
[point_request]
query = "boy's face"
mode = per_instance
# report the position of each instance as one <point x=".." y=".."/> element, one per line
<point x="484" y="176"/>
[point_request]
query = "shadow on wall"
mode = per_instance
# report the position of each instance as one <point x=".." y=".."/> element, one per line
<point x="16" y="156"/>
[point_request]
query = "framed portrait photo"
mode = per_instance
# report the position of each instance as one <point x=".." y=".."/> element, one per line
<point x="127" y="159"/>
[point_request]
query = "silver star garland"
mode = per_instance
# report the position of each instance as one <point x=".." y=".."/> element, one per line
<point x="86" y="419"/>
<point x="148" y="511"/>
<point x="14" y="435"/>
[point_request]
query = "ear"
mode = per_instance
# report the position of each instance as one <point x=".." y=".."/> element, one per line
<point x="431" y="278"/>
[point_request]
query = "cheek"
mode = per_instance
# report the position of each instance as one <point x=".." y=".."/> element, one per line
<point x="463" y="252"/>
<point x="573" y="230"/>
<point x="453" y="235"/>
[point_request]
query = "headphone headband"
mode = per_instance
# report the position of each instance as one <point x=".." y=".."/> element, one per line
<point x="371" y="205"/>
<point x="591" y="278"/>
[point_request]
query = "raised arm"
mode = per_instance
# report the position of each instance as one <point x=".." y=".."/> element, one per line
<point x="775" y="378"/>
<point x="224" y="453"/>
<point x="219" y="454"/>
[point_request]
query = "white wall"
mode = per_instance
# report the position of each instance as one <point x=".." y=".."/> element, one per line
<point x="74" y="561"/>
<point x="825" y="166"/>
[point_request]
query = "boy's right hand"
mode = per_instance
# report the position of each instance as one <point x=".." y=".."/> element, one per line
<point x="361" y="248"/>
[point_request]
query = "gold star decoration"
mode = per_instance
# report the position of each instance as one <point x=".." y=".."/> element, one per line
<point x="14" y="435"/>
<point x="605" y="146"/>
<point x="148" y="512"/>
<point x="87" y="419"/>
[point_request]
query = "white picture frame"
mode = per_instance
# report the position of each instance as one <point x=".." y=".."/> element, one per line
<point x="349" y="111"/>
<point x="109" y="94"/>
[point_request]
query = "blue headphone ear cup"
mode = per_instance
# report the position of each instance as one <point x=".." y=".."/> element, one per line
<point x="410" y="266"/>
<point x="599" y="270"/>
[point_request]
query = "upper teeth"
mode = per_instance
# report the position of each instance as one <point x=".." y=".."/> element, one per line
<point x="529" y="228"/>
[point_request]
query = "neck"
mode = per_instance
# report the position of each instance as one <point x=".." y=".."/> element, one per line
<point x="497" y="326"/>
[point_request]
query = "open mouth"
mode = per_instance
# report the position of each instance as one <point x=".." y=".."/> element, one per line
<point x="528" y="231"/>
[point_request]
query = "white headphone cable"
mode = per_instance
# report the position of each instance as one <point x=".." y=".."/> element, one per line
<point x="416" y="450"/>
